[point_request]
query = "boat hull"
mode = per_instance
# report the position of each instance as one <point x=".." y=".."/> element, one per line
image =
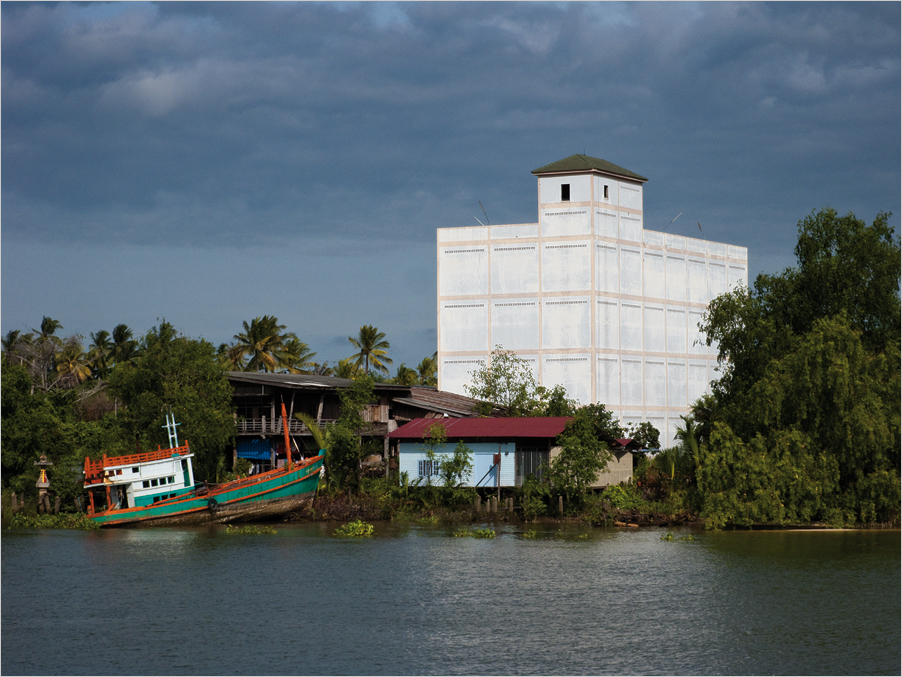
<point x="260" y="497"/>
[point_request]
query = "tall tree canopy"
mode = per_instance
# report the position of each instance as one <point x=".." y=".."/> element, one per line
<point x="804" y="424"/>
<point x="180" y="374"/>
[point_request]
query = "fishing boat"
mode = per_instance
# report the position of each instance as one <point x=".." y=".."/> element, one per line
<point x="158" y="488"/>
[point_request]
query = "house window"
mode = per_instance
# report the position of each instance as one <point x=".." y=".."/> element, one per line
<point x="605" y="192"/>
<point x="146" y="484"/>
<point x="565" y="192"/>
<point x="135" y="471"/>
<point x="427" y="468"/>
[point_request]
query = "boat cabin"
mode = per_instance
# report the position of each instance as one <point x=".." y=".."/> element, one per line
<point x="138" y="480"/>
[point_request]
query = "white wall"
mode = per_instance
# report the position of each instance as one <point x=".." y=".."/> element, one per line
<point x="593" y="301"/>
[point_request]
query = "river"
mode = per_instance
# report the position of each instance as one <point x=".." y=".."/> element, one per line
<point x="413" y="599"/>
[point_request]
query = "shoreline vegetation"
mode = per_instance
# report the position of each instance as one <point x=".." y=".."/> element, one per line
<point x="802" y="428"/>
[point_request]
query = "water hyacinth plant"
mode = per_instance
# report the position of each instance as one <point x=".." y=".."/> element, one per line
<point x="357" y="528"/>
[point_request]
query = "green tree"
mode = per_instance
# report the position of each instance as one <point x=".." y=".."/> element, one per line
<point x="345" y="441"/>
<point x="507" y="380"/>
<point x="371" y="348"/>
<point x="182" y="375"/>
<point x="645" y="434"/>
<point x="804" y="424"/>
<point x="583" y="454"/>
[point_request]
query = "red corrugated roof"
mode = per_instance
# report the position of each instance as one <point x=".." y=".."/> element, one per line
<point x="544" y="427"/>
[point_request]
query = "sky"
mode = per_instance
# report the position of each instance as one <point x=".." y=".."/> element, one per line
<point x="206" y="164"/>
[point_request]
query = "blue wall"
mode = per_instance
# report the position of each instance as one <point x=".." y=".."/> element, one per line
<point x="410" y="453"/>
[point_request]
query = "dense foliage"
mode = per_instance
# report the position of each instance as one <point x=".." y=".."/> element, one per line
<point x="507" y="381"/>
<point x="804" y="424"/>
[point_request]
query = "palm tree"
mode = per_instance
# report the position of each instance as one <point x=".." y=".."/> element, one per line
<point x="371" y="346"/>
<point x="346" y="369"/>
<point x="72" y="364"/>
<point x="48" y="330"/>
<point x="261" y="346"/>
<point x="124" y="346"/>
<point x="427" y="370"/>
<point x="406" y="376"/>
<point x="297" y="357"/>
<point x="100" y="352"/>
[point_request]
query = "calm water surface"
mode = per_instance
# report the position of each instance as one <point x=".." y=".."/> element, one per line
<point x="415" y="600"/>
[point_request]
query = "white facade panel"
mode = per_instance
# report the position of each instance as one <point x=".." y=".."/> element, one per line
<point x="464" y="271"/>
<point x="738" y="275"/>
<point x="677" y="280"/>
<point x="520" y="230"/>
<point x="698" y="281"/>
<point x="574" y="372"/>
<point x="677" y="383"/>
<point x="515" y="268"/>
<point x="718" y="283"/>
<point x="655" y="383"/>
<point x="566" y="266"/>
<point x="653" y="283"/>
<point x="607" y="268"/>
<point x="566" y="323"/>
<point x="654" y="329"/>
<point x="631" y="227"/>
<point x="515" y="324"/>
<point x="698" y="380"/>
<point x="631" y="381"/>
<point x="676" y="330"/>
<point x="465" y="326"/>
<point x="630" y="326"/>
<point x="607" y="381"/>
<point x="608" y="317"/>
<point x="630" y="195"/>
<point x="461" y="234"/>
<point x="606" y="223"/>
<point x="696" y="336"/>
<point x="630" y="271"/>
<point x="562" y="222"/>
<point x="607" y="190"/>
<point x="455" y="372"/>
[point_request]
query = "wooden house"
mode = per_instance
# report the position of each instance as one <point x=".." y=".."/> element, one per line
<point x="257" y="400"/>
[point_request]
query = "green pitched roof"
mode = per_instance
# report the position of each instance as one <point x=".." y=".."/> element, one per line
<point x="584" y="163"/>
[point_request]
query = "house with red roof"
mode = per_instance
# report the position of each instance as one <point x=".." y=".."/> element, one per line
<point x="505" y="450"/>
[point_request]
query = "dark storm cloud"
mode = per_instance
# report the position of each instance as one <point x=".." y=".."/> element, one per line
<point x="196" y="122"/>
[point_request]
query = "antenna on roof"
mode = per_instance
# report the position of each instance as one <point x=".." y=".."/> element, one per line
<point x="484" y="214"/>
<point x="672" y="220"/>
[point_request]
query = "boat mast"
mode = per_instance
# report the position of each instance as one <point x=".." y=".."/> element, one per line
<point x="287" y="444"/>
<point x="173" y="433"/>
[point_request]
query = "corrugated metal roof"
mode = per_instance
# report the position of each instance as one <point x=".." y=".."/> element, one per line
<point x="313" y="381"/>
<point x="430" y="399"/>
<point x="585" y="163"/>
<point x="496" y="428"/>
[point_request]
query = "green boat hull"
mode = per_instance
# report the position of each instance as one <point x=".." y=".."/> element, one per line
<point x="260" y="497"/>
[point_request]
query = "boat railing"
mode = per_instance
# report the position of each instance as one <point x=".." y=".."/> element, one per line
<point x="273" y="426"/>
<point x="94" y="468"/>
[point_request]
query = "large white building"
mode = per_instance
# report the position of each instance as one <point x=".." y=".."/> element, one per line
<point x="587" y="296"/>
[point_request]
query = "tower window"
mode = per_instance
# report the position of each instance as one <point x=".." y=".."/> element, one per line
<point x="605" y="192"/>
<point x="565" y="192"/>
